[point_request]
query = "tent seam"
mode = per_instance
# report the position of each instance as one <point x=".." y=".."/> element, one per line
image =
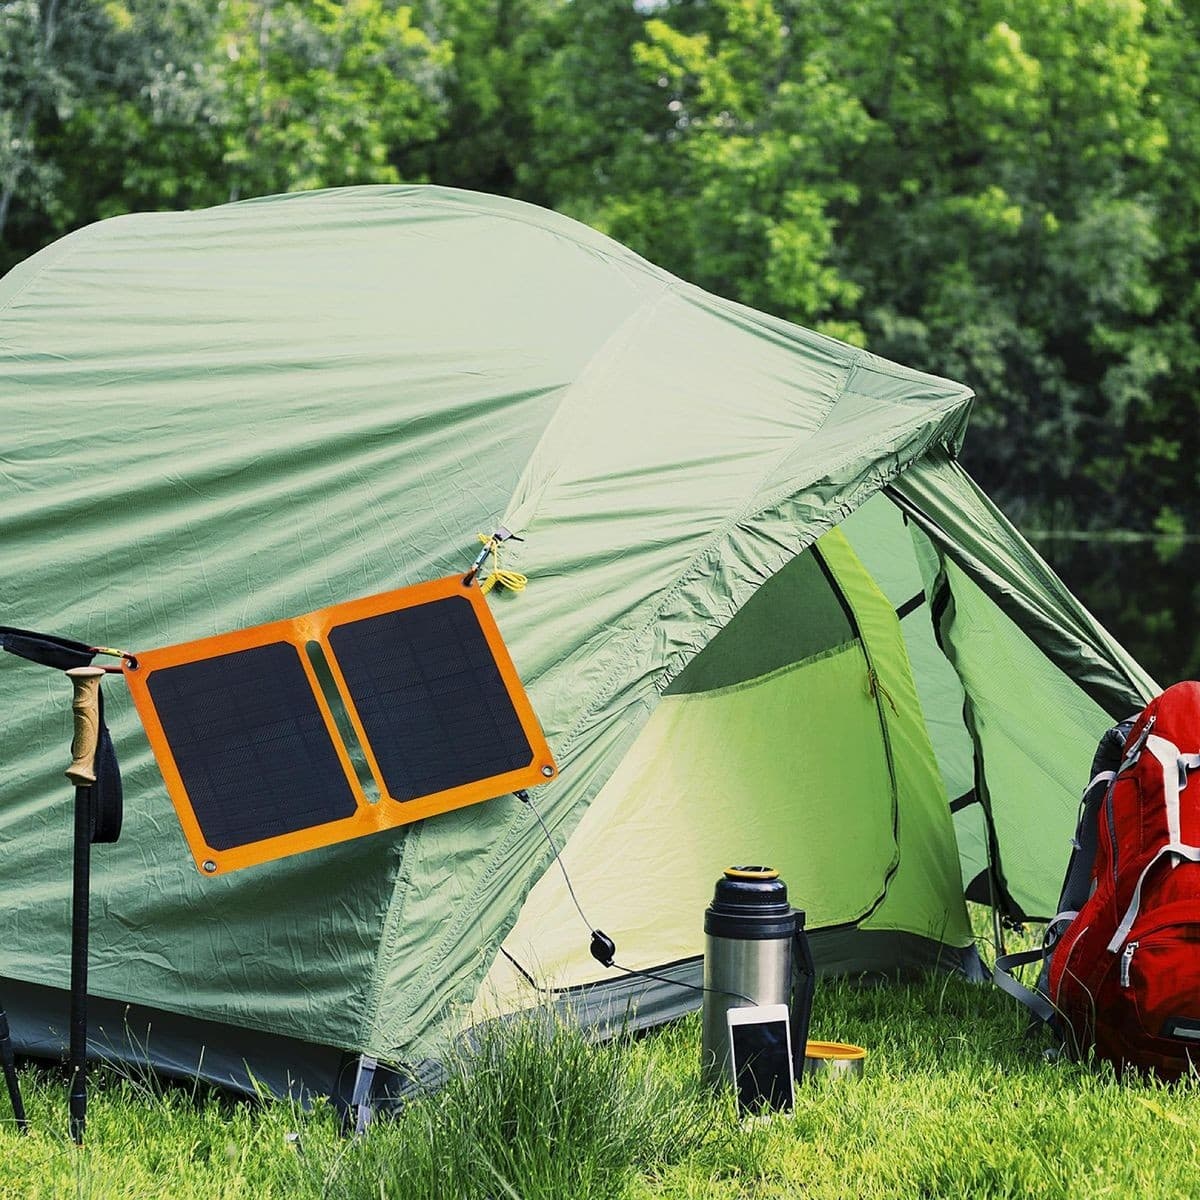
<point x="598" y="362"/>
<point x="774" y="501"/>
<point x="691" y="571"/>
<point x="606" y="692"/>
<point x="784" y="333"/>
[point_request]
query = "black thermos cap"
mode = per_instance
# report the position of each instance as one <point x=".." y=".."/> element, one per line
<point x="751" y="902"/>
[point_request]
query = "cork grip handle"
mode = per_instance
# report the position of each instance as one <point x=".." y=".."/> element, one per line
<point x="86" y="705"/>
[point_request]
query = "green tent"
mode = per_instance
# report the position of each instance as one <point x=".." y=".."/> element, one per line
<point x="769" y="618"/>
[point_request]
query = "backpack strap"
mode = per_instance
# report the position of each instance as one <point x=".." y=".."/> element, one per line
<point x="1185" y="853"/>
<point x="1135" y="750"/>
<point x="1002" y="973"/>
<point x="1077" y="884"/>
<point x="1107" y="763"/>
<point x="1174" y="772"/>
<point x="1175" y="767"/>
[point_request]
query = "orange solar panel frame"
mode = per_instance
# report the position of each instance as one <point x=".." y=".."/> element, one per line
<point x="368" y="817"/>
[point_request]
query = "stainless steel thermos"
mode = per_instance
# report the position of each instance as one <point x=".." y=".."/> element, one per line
<point x="755" y="952"/>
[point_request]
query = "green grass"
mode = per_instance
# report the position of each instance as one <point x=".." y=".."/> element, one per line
<point x="955" y="1102"/>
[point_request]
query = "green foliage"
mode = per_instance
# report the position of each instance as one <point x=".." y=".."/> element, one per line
<point x="715" y="154"/>
<point x="1003" y="191"/>
<point x="1144" y="589"/>
<point x="1009" y="248"/>
<point x="324" y="92"/>
<point x="103" y="108"/>
<point x="485" y="130"/>
<point x="111" y="107"/>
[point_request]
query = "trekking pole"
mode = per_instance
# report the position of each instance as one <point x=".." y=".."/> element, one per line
<point x="82" y="773"/>
<point x="10" y="1073"/>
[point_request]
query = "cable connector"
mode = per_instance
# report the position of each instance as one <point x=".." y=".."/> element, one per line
<point x="603" y="948"/>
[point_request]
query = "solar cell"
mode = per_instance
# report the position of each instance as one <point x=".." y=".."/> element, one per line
<point x="434" y="707"/>
<point x="250" y="744"/>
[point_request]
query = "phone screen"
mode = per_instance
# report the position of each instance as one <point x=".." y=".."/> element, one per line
<point x="763" y="1065"/>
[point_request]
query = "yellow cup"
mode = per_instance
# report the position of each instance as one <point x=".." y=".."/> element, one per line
<point x="837" y="1058"/>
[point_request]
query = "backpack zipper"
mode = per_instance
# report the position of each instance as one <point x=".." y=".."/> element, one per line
<point x="1127" y="962"/>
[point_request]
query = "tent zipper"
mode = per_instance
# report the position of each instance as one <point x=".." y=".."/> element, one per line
<point x="875" y="688"/>
<point x="874" y="685"/>
<point x="878" y="694"/>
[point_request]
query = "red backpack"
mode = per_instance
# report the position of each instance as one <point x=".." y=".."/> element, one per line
<point x="1121" y="960"/>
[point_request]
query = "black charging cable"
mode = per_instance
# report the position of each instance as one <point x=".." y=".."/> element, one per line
<point x="603" y="949"/>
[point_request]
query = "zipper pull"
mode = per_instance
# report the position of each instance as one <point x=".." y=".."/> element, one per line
<point x="1126" y="962"/>
<point x="875" y="689"/>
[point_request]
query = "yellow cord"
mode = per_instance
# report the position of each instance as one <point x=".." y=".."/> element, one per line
<point x="514" y="581"/>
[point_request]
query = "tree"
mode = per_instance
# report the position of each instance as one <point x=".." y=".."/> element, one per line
<point x="1001" y="237"/>
<point x="487" y="128"/>
<point x="184" y="103"/>
<point x="708" y="137"/>
<point x="104" y="108"/>
<point x="324" y="94"/>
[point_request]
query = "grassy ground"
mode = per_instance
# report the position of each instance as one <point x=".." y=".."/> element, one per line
<point x="955" y="1102"/>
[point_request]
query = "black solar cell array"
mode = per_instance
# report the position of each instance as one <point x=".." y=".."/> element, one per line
<point x="432" y="703"/>
<point x="256" y="757"/>
<point x="250" y="744"/>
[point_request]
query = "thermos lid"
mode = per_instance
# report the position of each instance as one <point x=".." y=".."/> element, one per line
<point x="751" y="902"/>
<point x="751" y="873"/>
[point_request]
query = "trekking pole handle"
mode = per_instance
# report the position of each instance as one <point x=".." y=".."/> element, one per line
<point x="86" y="706"/>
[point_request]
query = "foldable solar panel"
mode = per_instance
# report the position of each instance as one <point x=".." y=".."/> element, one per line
<point x="342" y="722"/>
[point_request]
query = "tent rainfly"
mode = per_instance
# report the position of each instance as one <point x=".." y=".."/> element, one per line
<point x="770" y="618"/>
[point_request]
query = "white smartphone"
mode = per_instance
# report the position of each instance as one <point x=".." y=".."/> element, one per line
<point x="760" y="1057"/>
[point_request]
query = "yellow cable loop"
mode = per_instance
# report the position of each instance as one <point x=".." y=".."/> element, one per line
<point x="513" y="581"/>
